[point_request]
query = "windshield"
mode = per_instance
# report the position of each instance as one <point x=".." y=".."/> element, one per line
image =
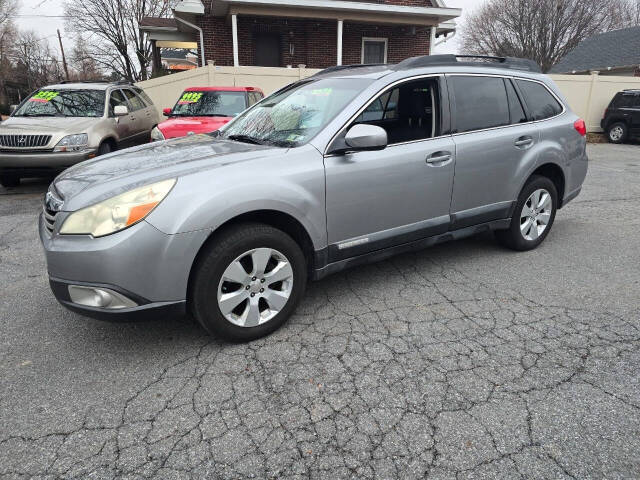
<point x="63" y="103"/>
<point x="210" y="104"/>
<point x="295" y="115"/>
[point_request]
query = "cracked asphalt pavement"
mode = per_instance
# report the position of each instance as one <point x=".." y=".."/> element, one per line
<point x="462" y="361"/>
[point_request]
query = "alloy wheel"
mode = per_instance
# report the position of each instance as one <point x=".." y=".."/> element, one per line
<point x="616" y="134"/>
<point x="255" y="287"/>
<point x="536" y="214"/>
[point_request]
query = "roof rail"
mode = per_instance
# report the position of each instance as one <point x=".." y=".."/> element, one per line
<point x="117" y="82"/>
<point x="337" y="68"/>
<point x="468" y="60"/>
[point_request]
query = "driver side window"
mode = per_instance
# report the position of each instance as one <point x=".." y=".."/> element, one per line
<point x="116" y="98"/>
<point x="408" y="112"/>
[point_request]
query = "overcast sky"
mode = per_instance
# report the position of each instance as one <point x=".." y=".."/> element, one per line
<point x="45" y="16"/>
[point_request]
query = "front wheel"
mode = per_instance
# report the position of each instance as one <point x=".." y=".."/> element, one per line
<point x="103" y="149"/>
<point x="247" y="282"/>
<point x="533" y="216"/>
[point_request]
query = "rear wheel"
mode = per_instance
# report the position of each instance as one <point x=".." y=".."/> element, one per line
<point x="248" y="282"/>
<point x="617" y="133"/>
<point x="533" y="216"/>
<point x="9" y="180"/>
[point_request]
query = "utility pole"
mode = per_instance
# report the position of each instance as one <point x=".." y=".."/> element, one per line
<point x="64" y="60"/>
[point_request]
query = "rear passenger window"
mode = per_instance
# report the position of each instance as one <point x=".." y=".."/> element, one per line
<point x="539" y="100"/>
<point x="516" y="111"/>
<point x="144" y="96"/>
<point x="135" y="101"/>
<point x="481" y="102"/>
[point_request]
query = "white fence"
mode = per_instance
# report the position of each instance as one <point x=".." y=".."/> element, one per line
<point x="588" y="95"/>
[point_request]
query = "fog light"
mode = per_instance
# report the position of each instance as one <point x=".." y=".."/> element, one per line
<point x="99" y="297"/>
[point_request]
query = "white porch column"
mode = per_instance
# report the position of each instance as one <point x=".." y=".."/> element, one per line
<point x="432" y="42"/>
<point x="234" y="30"/>
<point x="340" y="25"/>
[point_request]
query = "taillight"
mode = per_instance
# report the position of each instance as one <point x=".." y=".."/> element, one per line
<point x="580" y="127"/>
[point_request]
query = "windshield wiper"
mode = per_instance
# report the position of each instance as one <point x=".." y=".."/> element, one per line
<point x="213" y="115"/>
<point x="246" y="139"/>
<point x="41" y="115"/>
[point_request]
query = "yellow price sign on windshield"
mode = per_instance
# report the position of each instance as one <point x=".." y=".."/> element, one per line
<point x="44" y="96"/>
<point x="190" y="97"/>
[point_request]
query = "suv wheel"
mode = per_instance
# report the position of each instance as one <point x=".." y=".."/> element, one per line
<point x="533" y="216"/>
<point x="8" y="180"/>
<point x="617" y="133"/>
<point x="103" y="149"/>
<point x="247" y="282"/>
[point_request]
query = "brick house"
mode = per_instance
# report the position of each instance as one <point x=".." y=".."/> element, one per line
<point x="314" y="33"/>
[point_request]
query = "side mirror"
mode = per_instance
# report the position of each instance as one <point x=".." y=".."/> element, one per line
<point x="366" y="137"/>
<point x="166" y="112"/>
<point x="13" y="108"/>
<point x="120" y="110"/>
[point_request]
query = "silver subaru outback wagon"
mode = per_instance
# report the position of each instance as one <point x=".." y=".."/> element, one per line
<point x="352" y="165"/>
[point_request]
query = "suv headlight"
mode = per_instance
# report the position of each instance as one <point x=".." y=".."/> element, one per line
<point x="156" y="134"/>
<point x="72" y="143"/>
<point x="119" y="212"/>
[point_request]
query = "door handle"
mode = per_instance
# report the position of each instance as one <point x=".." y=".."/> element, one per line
<point x="523" y="142"/>
<point x="439" y="157"/>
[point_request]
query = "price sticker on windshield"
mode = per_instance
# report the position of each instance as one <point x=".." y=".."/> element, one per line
<point x="190" y="97"/>
<point x="322" y="92"/>
<point x="44" y="96"/>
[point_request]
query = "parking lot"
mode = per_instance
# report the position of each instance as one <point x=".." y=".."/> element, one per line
<point x="462" y="361"/>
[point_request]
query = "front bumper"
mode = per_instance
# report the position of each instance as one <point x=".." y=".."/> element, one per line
<point x="141" y="263"/>
<point x="12" y="160"/>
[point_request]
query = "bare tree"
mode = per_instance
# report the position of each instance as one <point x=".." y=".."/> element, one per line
<point x="84" y="66"/>
<point x="630" y="13"/>
<point x="34" y="63"/>
<point x="114" y="39"/>
<point x="7" y="36"/>
<point x="7" y="9"/>
<point x="542" y="30"/>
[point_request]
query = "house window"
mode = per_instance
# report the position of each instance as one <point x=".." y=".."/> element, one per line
<point x="374" y="50"/>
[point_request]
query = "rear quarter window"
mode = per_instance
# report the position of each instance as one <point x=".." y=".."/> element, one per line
<point x="541" y="103"/>
<point x="480" y="102"/>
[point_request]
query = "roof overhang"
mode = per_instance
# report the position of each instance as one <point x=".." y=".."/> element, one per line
<point x="339" y="10"/>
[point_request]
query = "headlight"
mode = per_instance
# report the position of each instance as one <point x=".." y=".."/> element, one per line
<point x="119" y="212"/>
<point x="72" y="143"/>
<point x="156" y="134"/>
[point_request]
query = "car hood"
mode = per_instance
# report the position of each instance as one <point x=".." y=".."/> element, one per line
<point x="44" y="125"/>
<point x="181" y="126"/>
<point x="95" y="180"/>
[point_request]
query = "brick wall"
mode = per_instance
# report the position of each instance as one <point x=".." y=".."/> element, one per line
<point x="308" y="41"/>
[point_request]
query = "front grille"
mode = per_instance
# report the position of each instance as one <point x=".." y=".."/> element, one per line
<point x="24" y="141"/>
<point x="49" y="218"/>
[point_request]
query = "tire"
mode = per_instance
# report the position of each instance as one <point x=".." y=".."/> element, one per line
<point x="522" y="234"/>
<point x="617" y="132"/>
<point x="9" y="180"/>
<point x="235" y="248"/>
<point x="104" y="148"/>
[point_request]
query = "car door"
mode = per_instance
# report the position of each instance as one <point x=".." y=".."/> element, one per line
<point x="635" y="115"/>
<point x="138" y="117"/>
<point x="378" y="199"/>
<point x="151" y="116"/>
<point x="124" y="125"/>
<point x="494" y="143"/>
